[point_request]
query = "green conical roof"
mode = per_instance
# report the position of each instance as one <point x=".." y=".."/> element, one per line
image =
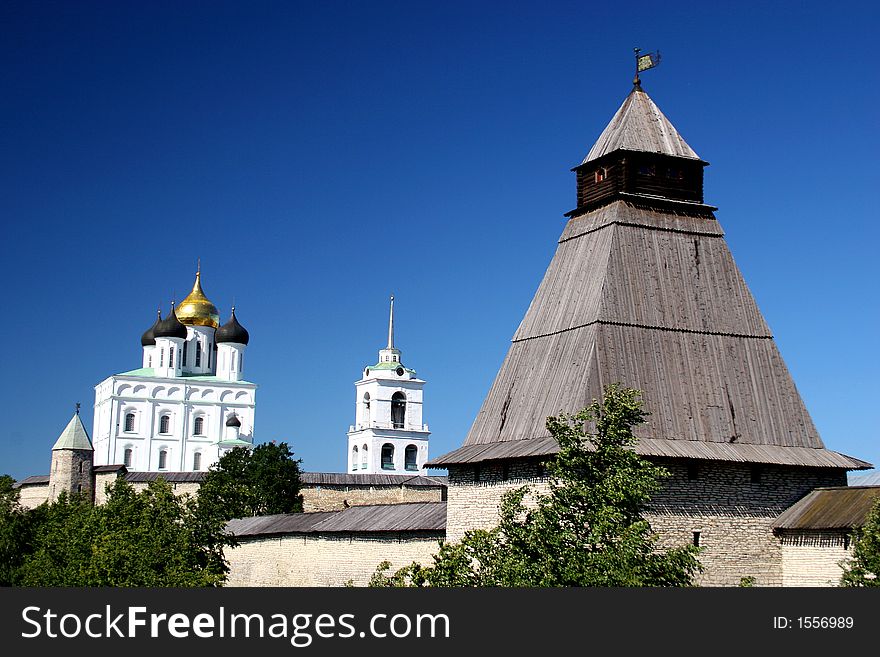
<point x="74" y="436"/>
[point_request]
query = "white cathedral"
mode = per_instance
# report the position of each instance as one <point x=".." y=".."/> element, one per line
<point x="188" y="403"/>
<point x="388" y="436"/>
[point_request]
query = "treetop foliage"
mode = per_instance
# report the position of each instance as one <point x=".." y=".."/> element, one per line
<point x="588" y="530"/>
<point x="147" y="538"/>
<point x="257" y="482"/>
<point x="863" y="569"/>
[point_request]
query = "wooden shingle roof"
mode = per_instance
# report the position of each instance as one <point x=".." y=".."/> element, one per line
<point x="830" y="508"/>
<point x="406" y="517"/>
<point x="356" y="479"/>
<point x="639" y="125"/>
<point x="650" y="298"/>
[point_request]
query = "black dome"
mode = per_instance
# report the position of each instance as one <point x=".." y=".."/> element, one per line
<point x="148" y="339"/>
<point x="170" y="327"/>
<point x="232" y="331"/>
<point x="233" y="421"/>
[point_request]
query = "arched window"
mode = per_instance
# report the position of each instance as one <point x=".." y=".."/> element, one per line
<point x="161" y="358"/>
<point x="240" y="362"/>
<point x="164" y="423"/>
<point x="171" y="357"/>
<point x="366" y="409"/>
<point x="387" y="456"/>
<point x="398" y="410"/>
<point x="198" y="353"/>
<point x="354" y="458"/>
<point x="129" y="421"/>
<point x="364" y="459"/>
<point x="126" y="457"/>
<point x="199" y="426"/>
<point x="183" y="360"/>
<point x="410" y="457"/>
<point x="197" y="461"/>
<point x="163" y="459"/>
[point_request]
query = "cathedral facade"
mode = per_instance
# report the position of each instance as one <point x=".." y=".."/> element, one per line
<point x="188" y="403"/>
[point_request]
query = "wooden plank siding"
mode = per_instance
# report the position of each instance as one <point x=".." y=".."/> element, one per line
<point x="656" y="278"/>
<point x="692" y="450"/>
<point x="655" y="302"/>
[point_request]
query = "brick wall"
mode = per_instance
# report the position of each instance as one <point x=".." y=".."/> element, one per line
<point x="813" y="558"/>
<point x="733" y="514"/>
<point x="325" y="559"/>
<point x="333" y="498"/>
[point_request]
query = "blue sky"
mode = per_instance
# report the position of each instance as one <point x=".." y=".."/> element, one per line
<point x="319" y="156"/>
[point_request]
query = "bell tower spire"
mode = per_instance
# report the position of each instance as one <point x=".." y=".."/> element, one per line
<point x="390" y="354"/>
<point x="389" y="435"/>
<point x="391" y="325"/>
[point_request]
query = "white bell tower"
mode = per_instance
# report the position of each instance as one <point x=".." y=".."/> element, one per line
<point x="388" y="436"/>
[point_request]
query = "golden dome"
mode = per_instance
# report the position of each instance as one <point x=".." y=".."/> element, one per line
<point x="196" y="310"/>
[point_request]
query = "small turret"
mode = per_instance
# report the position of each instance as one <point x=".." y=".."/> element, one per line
<point x="72" y="460"/>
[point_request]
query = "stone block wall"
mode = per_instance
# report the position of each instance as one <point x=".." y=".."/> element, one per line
<point x="475" y="492"/>
<point x="325" y="559"/>
<point x="102" y="480"/>
<point x="732" y="512"/>
<point x="179" y="488"/>
<point x="31" y="496"/>
<point x="334" y="498"/>
<point x="814" y="558"/>
<point x="71" y="471"/>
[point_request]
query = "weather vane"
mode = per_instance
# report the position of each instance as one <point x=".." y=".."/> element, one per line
<point x="644" y="62"/>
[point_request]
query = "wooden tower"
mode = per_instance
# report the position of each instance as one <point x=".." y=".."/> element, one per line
<point x="643" y="291"/>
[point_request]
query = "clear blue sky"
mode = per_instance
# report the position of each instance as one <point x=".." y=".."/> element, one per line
<point x="319" y="156"/>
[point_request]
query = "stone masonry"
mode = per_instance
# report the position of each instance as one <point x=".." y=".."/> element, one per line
<point x="814" y="558"/>
<point x="334" y="498"/>
<point x="731" y="505"/>
<point x="325" y="559"/>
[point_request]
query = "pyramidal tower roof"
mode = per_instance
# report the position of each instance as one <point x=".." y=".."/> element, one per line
<point x="74" y="436"/>
<point x="643" y="291"/>
<point x="639" y="125"/>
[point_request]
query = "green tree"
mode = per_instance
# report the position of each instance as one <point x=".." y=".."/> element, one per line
<point x="864" y="567"/>
<point x="255" y="482"/>
<point x="150" y="538"/>
<point x="16" y="532"/>
<point x="587" y="531"/>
